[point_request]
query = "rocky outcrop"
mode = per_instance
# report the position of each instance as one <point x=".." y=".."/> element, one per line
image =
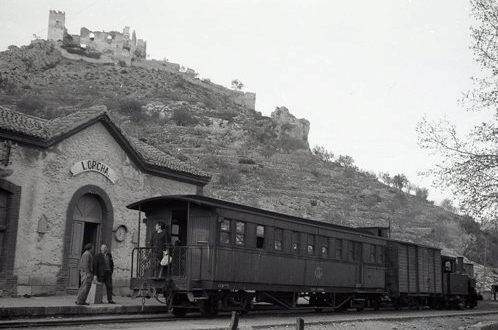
<point x="287" y="125"/>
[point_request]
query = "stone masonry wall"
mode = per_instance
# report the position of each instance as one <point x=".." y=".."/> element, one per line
<point x="47" y="187"/>
<point x="56" y="25"/>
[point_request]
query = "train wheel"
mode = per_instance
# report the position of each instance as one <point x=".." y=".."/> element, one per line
<point x="207" y="308"/>
<point x="246" y="305"/>
<point x="178" y="312"/>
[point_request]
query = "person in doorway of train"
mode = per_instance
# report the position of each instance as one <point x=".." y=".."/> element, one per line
<point x="104" y="266"/>
<point x="158" y="243"/>
<point x="86" y="274"/>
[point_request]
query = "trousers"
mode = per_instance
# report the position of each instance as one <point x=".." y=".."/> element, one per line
<point x="86" y="284"/>
<point x="107" y="280"/>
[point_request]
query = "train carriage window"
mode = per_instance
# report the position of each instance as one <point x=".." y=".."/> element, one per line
<point x="225" y="232"/>
<point x="357" y="251"/>
<point x="354" y="251"/>
<point x="338" y="248"/>
<point x="373" y="253"/>
<point x="278" y="239"/>
<point x="448" y="267"/>
<point x="260" y="237"/>
<point x="295" y="242"/>
<point x="240" y="233"/>
<point x="175" y="233"/>
<point x="325" y="247"/>
<point x="380" y="255"/>
<point x="310" y="248"/>
<point x="350" y="250"/>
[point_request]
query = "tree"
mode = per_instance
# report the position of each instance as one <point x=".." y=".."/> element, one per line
<point x="422" y="193"/>
<point x="346" y="161"/>
<point x="469" y="165"/>
<point x="386" y="178"/>
<point x="323" y="154"/>
<point x="447" y="204"/>
<point x="237" y="84"/>
<point x="399" y="181"/>
<point x="409" y="187"/>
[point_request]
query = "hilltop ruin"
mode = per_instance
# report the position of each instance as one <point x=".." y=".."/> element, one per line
<point x="97" y="44"/>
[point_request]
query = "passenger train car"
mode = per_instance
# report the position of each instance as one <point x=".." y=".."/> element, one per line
<point x="228" y="256"/>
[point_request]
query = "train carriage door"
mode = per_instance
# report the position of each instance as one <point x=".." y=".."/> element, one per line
<point x="86" y="228"/>
<point x="179" y="241"/>
<point x="358" y="258"/>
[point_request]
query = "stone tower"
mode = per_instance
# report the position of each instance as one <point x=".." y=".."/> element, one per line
<point x="56" y="25"/>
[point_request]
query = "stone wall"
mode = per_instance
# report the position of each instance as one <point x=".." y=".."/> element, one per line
<point x="246" y="99"/>
<point x="47" y="188"/>
<point x="113" y="44"/>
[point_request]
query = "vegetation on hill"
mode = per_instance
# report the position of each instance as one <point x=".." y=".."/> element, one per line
<point x="256" y="160"/>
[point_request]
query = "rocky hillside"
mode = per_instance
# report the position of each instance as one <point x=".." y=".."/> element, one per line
<point x="256" y="160"/>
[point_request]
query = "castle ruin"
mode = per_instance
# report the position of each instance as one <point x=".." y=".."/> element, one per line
<point x="108" y="47"/>
<point x="113" y="44"/>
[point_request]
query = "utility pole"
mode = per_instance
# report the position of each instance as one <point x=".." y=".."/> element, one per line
<point x="484" y="272"/>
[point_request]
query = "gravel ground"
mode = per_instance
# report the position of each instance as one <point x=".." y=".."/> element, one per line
<point x="443" y="323"/>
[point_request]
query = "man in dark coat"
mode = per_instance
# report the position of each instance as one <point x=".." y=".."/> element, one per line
<point x="104" y="266"/>
<point x="86" y="274"/>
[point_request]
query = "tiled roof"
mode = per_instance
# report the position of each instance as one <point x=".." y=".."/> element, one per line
<point x="19" y="123"/>
<point x="45" y="131"/>
<point x="156" y="157"/>
<point x="62" y="125"/>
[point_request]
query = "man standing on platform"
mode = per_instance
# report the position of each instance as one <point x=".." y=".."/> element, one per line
<point x="86" y="274"/>
<point x="104" y="266"/>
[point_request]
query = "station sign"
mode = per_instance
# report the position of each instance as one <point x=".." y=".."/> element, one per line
<point x="92" y="165"/>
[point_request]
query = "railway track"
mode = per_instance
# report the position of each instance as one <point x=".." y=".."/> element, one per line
<point x="258" y="320"/>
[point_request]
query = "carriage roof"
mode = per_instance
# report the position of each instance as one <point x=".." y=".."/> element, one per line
<point x="155" y="202"/>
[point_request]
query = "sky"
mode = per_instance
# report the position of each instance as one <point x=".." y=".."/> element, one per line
<point x="362" y="72"/>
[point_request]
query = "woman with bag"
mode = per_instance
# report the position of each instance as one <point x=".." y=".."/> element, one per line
<point x="158" y="243"/>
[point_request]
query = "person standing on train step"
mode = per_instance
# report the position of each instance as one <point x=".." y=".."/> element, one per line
<point x="104" y="266"/>
<point x="86" y="274"/>
<point x="158" y="243"/>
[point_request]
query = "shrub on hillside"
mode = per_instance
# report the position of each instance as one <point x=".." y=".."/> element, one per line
<point x="290" y="144"/>
<point x="29" y="104"/>
<point x="268" y="150"/>
<point x="9" y="87"/>
<point x="230" y="177"/>
<point x="422" y="193"/>
<point x="470" y="225"/>
<point x="247" y="161"/>
<point x="346" y="161"/>
<point x="182" y="117"/>
<point x="131" y="107"/>
<point x="322" y="154"/>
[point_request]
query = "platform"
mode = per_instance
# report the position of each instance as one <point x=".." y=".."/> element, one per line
<point x="46" y="306"/>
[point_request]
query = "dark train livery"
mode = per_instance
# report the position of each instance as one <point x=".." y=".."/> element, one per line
<point x="227" y="256"/>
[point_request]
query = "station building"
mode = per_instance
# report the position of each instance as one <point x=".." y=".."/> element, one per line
<point x="64" y="183"/>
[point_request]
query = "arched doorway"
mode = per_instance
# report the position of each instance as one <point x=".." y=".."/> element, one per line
<point x="87" y="221"/>
<point x="90" y="219"/>
<point x="10" y="201"/>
